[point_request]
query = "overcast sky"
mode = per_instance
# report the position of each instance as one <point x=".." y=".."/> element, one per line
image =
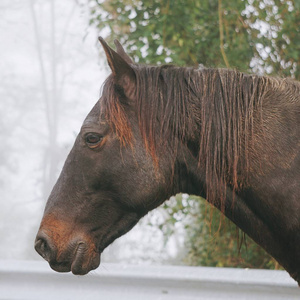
<point x="26" y="50"/>
<point x="22" y="110"/>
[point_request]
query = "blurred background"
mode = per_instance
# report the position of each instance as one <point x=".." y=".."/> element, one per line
<point x="52" y="69"/>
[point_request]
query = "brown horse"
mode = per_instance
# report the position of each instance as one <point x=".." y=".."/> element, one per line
<point x="159" y="130"/>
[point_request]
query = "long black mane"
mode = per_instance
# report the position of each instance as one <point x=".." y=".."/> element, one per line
<point x="215" y="109"/>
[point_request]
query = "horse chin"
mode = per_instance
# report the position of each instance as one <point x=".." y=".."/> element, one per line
<point x="60" y="267"/>
<point x="82" y="267"/>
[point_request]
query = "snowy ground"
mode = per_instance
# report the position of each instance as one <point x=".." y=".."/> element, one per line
<point x="115" y="281"/>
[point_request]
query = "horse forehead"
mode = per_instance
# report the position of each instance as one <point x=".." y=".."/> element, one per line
<point x="94" y="115"/>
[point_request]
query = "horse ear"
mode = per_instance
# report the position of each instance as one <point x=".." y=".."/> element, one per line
<point x="122" y="52"/>
<point x="120" y="67"/>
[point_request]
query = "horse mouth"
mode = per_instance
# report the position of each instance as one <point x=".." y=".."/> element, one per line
<point x="81" y="265"/>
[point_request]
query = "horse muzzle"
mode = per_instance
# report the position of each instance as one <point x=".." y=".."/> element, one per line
<point x="65" y="254"/>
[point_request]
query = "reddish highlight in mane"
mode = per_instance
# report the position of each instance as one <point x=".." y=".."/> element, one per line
<point x="115" y="113"/>
<point x="212" y="109"/>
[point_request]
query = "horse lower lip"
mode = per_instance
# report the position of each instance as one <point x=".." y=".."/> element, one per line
<point x="77" y="265"/>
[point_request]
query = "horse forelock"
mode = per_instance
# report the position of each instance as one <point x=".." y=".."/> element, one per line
<point x="115" y="113"/>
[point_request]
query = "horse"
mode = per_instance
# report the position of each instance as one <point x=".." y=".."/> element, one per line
<point x="230" y="137"/>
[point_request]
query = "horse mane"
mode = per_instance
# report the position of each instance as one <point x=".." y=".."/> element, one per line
<point x="213" y="109"/>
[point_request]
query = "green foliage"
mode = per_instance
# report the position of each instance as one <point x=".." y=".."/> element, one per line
<point x="261" y="36"/>
<point x="211" y="239"/>
<point x="278" y="41"/>
<point x="184" y="32"/>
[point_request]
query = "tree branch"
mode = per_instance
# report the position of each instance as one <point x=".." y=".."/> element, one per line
<point x="222" y="34"/>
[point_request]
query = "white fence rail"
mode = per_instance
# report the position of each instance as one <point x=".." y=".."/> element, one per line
<point x="35" y="280"/>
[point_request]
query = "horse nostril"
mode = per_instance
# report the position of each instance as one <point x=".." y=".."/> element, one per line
<point x="44" y="247"/>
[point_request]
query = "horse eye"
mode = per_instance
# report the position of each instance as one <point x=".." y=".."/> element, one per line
<point x="93" y="139"/>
